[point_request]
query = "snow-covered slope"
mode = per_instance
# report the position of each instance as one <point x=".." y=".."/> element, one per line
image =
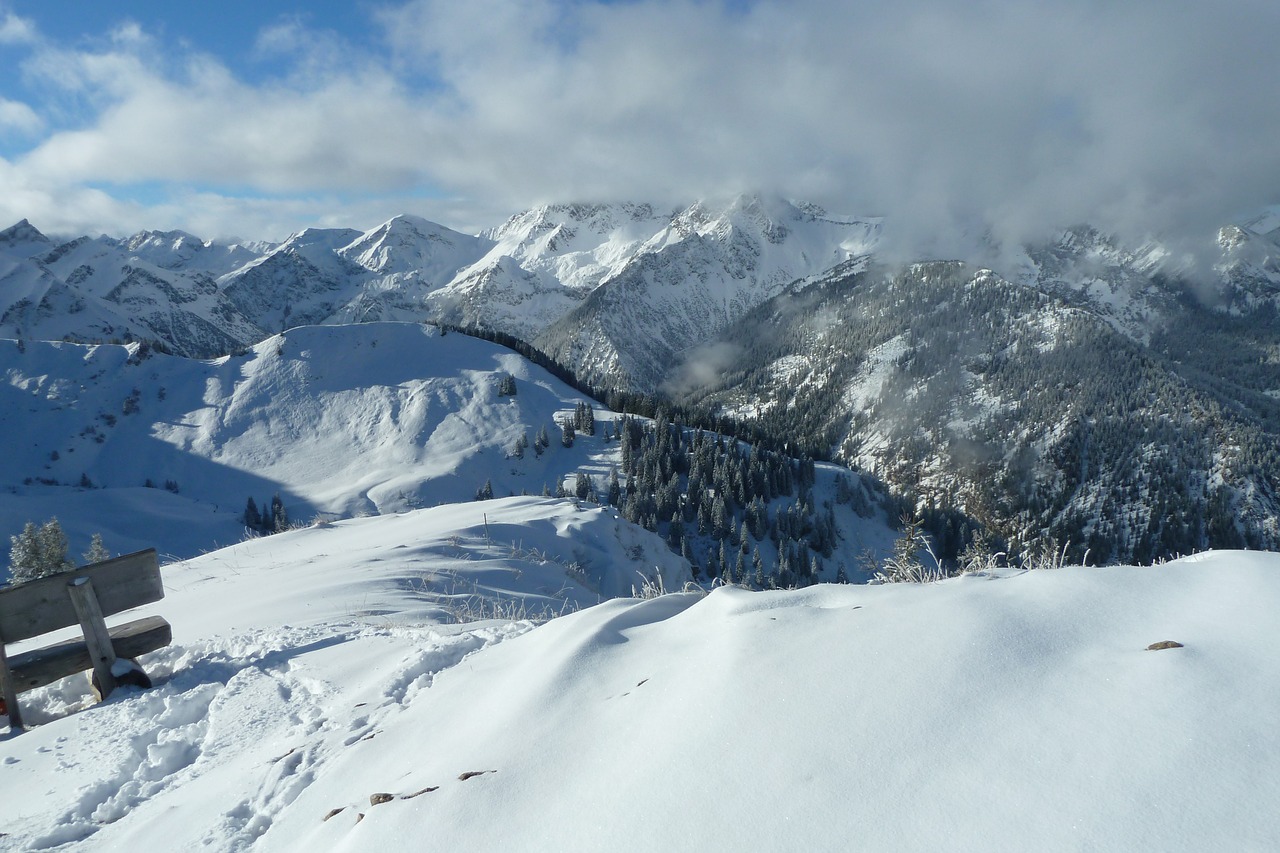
<point x="707" y="266"/>
<point x="302" y="281"/>
<point x="23" y="240"/>
<point x="1017" y="712"/>
<point x="616" y="291"/>
<point x="413" y="245"/>
<point x="1088" y="267"/>
<point x="153" y="286"/>
<point x="1145" y="289"/>
<point x="685" y="271"/>
<point x="1251" y="264"/>
<point x="180" y="250"/>
<point x="340" y="421"/>
<point x="1023" y="410"/>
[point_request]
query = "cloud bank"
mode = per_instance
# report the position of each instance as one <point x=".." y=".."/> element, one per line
<point x="952" y="119"/>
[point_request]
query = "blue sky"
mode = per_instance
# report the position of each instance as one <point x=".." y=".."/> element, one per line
<point x="950" y="117"/>
<point x="229" y="29"/>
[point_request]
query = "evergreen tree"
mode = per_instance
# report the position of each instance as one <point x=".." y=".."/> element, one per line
<point x="615" y="489"/>
<point x="904" y="564"/>
<point x="567" y="433"/>
<point x="97" y="552"/>
<point x="582" y="486"/>
<point x="53" y="546"/>
<point x="252" y="518"/>
<point x="720" y="522"/>
<point x="38" y="552"/>
<point x="25" y="558"/>
<point x="279" y="518"/>
<point x="675" y="529"/>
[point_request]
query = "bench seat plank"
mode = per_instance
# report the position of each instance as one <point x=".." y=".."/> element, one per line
<point x="44" y="666"/>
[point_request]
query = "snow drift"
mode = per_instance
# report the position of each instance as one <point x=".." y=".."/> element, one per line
<point x="308" y="702"/>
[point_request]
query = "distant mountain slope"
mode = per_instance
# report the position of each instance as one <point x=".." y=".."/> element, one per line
<point x="153" y="287"/>
<point x="300" y="282"/>
<point x="23" y="240"/>
<point x="707" y="266"/>
<point x="683" y="273"/>
<point x="339" y="421"/>
<point x="615" y="291"/>
<point x="1181" y="356"/>
<point x="1037" y="416"/>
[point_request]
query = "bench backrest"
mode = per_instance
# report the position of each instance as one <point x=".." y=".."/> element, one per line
<point x="42" y="605"/>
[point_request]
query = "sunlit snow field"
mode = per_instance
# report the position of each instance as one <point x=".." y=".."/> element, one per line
<point x="314" y="669"/>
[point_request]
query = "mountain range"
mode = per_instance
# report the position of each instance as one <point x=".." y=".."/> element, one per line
<point x="1120" y="398"/>
<point x="358" y="662"/>
<point x="569" y="278"/>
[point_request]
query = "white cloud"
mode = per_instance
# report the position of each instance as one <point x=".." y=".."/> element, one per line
<point x="16" y="30"/>
<point x="948" y="117"/>
<point x="18" y="117"/>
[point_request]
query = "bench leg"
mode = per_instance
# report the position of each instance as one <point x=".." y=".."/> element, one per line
<point x="134" y="676"/>
<point x="96" y="635"/>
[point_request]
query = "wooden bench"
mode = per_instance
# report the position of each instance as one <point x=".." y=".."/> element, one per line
<point x="81" y="596"/>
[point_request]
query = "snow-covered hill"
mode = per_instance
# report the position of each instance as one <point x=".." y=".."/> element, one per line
<point x="318" y="696"/>
<point x="340" y="421"/>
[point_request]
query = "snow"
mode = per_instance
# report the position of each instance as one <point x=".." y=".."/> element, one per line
<point x="402" y="655"/>
<point x="867" y="388"/>
<point x="339" y="420"/>
<point x="1016" y="711"/>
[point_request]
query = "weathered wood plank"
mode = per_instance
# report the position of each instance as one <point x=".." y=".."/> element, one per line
<point x="42" y="605"/>
<point x="9" y="693"/>
<point x="94" y="628"/>
<point x="45" y="666"/>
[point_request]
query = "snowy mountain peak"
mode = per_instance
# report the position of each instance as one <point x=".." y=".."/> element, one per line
<point x="23" y="240"/>
<point x="1266" y="223"/>
<point x="407" y="243"/>
<point x="174" y="250"/>
<point x="174" y="240"/>
<point x="331" y="239"/>
<point x="601" y="220"/>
